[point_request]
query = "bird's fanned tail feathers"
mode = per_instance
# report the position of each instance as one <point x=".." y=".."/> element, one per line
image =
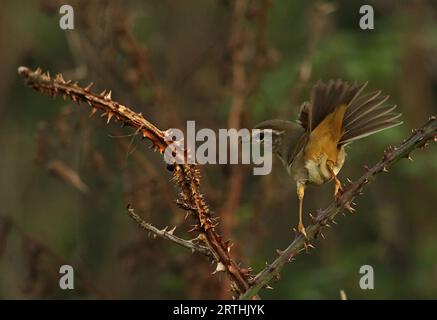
<point x="365" y="114"/>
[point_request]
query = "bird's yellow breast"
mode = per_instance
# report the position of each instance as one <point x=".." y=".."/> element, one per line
<point x="322" y="146"/>
<point x="325" y="137"/>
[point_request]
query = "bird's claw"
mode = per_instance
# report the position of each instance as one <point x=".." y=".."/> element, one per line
<point x="301" y="230"/>
<point x="338" y="191"/>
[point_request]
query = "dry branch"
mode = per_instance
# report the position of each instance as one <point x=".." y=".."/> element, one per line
<point x="187" y="176"/>
<point x="418" y="139"/>
<point x="168" y="234"/>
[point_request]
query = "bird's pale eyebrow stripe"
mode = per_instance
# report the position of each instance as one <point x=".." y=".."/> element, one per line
<point x="277" y="132"/>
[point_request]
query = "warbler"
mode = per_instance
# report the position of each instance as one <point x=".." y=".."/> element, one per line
<point x="312" y="148"/>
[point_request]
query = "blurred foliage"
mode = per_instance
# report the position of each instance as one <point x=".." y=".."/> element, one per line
<point x="187" y="76"/>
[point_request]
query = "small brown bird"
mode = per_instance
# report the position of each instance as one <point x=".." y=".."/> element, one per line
<point x="312" y="149"/>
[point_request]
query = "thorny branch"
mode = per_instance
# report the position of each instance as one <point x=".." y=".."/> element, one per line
<point x="418" y="139"/>
<point x="168" y="234"/>
<point x="187" y="176"/>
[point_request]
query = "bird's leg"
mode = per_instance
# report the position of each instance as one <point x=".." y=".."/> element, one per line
<point x="300" y="194"/>
<point x="338" y="189"/>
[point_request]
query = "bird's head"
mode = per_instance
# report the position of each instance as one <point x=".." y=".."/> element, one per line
<point x="284" y="136"/>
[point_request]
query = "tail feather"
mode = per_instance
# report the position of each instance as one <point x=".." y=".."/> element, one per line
<point x="367" y="131"/>
<point x="360" y="101"/>
<point x="362" y="107"/>
<point x="367" y="115"/>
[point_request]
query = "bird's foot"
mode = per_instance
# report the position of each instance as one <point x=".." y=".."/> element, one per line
<point x="338" y="191"/>
<point x="301" y="230"/>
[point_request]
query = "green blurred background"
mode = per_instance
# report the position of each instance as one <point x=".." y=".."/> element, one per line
<point x="65" y="178"/>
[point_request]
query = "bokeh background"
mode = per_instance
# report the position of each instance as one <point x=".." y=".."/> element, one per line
<point x="65" y="178"/>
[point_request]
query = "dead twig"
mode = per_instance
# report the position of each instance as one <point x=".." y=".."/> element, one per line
<point x="168" y="234"/>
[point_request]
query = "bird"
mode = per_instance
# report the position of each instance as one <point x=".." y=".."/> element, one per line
<point x="312" y="148"/>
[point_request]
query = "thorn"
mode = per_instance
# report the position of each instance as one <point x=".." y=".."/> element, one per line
<point x="93" y="111"/>
<point x="348" y="207"/>
<point x="220" y="268"/>
<point x="172" y="230"/>
<point x="194" y="228"/>
<point x="309" y="245"/>
<point x="384" y="169"/>
<point x="88" y="87"/>
<point x="366" y="167"/>
<point x="110" y="115"/>
<point x="59" y="78"/>
<point x="108" y="96"/>
<point x="322" y="235"/>
<point x="279" y="252"/>
<point x="103" y="93"/>
<point x="269" y="287"/>
<point x="229" y="246"/>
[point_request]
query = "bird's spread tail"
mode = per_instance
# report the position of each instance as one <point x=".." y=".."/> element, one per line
<point x="367" y="115"/>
